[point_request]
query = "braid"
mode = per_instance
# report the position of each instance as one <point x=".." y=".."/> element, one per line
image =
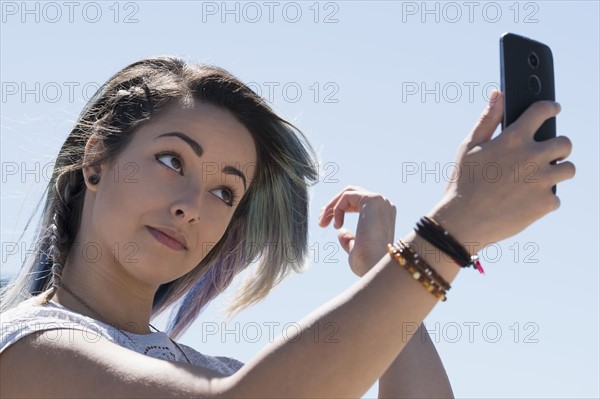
<point x="56" y="268"/>
<point x="60" y="234"/>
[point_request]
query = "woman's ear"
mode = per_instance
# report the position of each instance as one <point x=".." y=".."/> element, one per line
<point x="91" y="170"/>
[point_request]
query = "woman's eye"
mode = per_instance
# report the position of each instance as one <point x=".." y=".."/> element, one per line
<point x="225" y="194"/>
<point x="170" y="160"/>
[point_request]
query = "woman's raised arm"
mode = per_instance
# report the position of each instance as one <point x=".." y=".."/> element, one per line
<point x="372" y="318"/>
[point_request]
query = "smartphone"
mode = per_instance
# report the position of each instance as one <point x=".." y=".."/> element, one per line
<point x="526" y="76"/>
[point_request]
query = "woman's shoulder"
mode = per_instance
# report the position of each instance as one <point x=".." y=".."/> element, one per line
<point x="29" y="317"/>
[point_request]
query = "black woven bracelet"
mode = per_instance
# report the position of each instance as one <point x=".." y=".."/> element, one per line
<point x="436" y="235"/>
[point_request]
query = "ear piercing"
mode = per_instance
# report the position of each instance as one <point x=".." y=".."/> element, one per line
<point x="94" y="179"/>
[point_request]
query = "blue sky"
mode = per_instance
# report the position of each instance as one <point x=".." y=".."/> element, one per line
<point x="385" y="91"/>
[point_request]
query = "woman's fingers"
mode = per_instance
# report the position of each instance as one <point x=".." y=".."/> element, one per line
<point x="488" y="121"/>
<point x="534" y="116"/>
<point x="327" y="212"/>
<point x="349" y="201"/>
<point x="562" y="171"/>
<point x="557" y="149"/>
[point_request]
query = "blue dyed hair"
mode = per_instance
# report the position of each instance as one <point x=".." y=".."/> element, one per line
<point x="269" y="226"/>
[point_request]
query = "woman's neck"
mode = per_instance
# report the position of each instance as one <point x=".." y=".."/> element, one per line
<point x="108" y="294"/>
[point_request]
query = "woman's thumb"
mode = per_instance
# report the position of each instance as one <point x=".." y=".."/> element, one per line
<point x="489" y="120"/>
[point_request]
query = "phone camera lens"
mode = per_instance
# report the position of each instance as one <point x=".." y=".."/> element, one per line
<point x="533" y="59"/>
<point x="535" y="86"/>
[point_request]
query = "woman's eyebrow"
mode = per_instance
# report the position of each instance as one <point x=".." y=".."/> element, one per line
<point x="230" y="170"/>
<point x="197" y="148"/>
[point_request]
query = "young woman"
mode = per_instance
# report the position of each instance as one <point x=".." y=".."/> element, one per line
<point x="174" y="179"/>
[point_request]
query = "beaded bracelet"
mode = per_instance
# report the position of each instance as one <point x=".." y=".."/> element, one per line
<point x="418" y="273"/>
<point x="417" y="259"/>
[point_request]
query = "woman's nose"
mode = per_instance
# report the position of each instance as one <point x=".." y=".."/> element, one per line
<point x="188" y="206"/>
<point x="180" y="213"/>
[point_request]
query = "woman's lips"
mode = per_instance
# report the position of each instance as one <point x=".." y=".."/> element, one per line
<point x="166" y="240"/>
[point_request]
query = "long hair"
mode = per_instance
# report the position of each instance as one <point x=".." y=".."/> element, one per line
<point x="269" y="226"/>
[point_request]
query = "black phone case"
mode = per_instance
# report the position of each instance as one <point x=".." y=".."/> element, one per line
<point x="520" y="77"/>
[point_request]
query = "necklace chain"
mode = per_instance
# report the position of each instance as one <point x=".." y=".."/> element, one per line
<point x="100" y="317"/>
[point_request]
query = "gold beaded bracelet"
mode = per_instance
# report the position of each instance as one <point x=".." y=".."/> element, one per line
<point x="417" y="259"/>
<point x="419" y="273"/>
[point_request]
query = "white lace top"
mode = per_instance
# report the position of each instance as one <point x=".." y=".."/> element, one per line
<point x="29" y="317"/>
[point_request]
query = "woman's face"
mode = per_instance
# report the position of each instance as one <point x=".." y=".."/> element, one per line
<point x="170" y="195"/>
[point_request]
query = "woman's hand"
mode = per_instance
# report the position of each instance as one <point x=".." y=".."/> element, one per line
<point x="375" y="229"/>
<point x="501" y="186"/>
